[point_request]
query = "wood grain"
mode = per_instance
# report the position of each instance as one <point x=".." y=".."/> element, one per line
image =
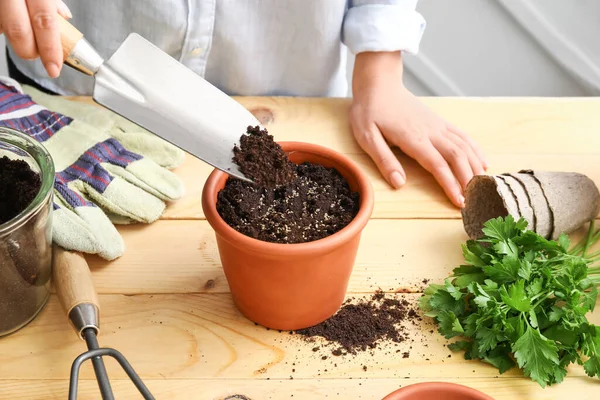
<point x="421" y="197"/>
<point x="556" y="135"/>
<point x="203" y="336"/>
<point x="182" y="257"/>
<point x="313" y="389"/>
<point x="166" y="303"/>
<point x="200" y="347"/>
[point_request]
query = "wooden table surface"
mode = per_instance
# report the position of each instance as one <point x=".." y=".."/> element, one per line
<point x="166" y="304"/>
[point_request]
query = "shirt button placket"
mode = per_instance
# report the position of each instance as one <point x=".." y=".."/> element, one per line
<point x="201" y="24"/>
<point x="197" y="52"/>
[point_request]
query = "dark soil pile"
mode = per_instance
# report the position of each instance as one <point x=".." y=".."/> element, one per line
<point x="317" y="204"/>
<point x="363" y="324"/>
<point x="262" y="160"/>
<point x="18" y="187"/>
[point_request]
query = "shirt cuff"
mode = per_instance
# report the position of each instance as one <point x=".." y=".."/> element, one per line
<point x="378" y="27"/>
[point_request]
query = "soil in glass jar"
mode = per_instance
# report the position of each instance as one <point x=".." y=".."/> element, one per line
<point x="287" y="203"/>
<point x="25" y="259"/>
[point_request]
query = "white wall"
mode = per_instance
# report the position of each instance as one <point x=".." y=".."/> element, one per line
<point x="508" y="48"/>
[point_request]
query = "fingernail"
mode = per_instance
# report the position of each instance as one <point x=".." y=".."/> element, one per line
<point x="52" y="69"/>
<point x="461" y="201"/>
<point x="397" y="179"/>
<point x="64" y="10"/>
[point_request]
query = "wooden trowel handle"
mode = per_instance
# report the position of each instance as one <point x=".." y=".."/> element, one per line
<point x="69" y="36"/>
<point x="77" y="52"/>
<point x="72" y="279"/>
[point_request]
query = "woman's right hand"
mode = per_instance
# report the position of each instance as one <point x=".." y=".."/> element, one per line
<point x="31" y="27"/>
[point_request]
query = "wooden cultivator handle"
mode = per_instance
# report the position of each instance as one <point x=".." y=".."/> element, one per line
<point x="75" y="289"/>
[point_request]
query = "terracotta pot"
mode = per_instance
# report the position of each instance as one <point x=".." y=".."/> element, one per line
<point x="291" y="286"/>
<point x="435" y="391"/>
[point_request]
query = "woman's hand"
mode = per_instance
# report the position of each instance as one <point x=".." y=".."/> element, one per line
<point x="30" y="26"/>
<point x="384" y="109"/>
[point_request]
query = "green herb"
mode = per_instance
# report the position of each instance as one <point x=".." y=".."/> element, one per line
<point x="522" y="300"/>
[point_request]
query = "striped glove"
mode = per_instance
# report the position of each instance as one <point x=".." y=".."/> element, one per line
<point x="99" y="182"/>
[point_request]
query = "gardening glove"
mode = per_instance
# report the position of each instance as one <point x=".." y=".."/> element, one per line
<point x="103" y="176"/>
<point x="133" y="137"/>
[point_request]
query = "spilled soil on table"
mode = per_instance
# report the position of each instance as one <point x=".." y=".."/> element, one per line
<point x="363" y="324"/>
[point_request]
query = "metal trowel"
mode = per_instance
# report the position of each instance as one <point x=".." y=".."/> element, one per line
<point x="150" y="88"/>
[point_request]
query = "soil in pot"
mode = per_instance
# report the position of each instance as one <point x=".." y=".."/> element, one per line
<point x="287" y="203"/>
<point x="23" y="267"/>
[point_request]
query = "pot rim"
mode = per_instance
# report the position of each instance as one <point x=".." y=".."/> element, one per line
<point x="365" y="189"/>
<point x="442" y="387"/>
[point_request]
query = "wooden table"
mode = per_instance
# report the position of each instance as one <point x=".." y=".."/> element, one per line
<point x="167" y="307"/>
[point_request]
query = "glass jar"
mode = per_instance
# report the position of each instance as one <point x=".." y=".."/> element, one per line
<point x="26" y="239"/>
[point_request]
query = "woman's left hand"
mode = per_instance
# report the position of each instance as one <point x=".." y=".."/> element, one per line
<point x="384" y="111"/>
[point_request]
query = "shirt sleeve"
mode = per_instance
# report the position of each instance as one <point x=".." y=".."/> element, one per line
<point x="382" y="25"/>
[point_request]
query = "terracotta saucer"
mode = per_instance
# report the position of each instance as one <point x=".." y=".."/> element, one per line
<point x="437" y="391"/>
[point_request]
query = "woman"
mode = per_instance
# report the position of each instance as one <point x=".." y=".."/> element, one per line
<point x="267" y="48"/>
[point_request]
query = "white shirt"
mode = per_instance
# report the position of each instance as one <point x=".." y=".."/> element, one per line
<point x="245" y="47"/>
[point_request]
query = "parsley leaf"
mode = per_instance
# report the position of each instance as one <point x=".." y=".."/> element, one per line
<point x="466" y="270"/>
<point x="488" y="338"/>
<point x="503" y="229"/>
<point x="515" y="326"/>
<point x="591" y="348"/>
<point x="525" y="270"/>
<point x="459" y="345"/>
<point x="535" y="287"/>
<point x="537" y="355"/>
<point x="454" y="292"/>
<point x="533" y="320"/>
<point x="499" y="358"/>
<point x="465" y="274"/>
<point x="472" y="252"/>
<point x="590" y="298"/>
<point x="508" y="248"/>
<point x="592" y="366"/>
<point x="560" y="334"/>
<point x="516" y="297"/>
<point x="556" y="314"/>
<point x="449" y="324"/>
<point x="505" y="271"/>
<point x="443" y="301"/>
<point x="564" y="242"/>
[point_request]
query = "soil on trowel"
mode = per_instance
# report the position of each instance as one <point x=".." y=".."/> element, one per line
<point x="313" y="203"/>
<point x="262" y="160"/>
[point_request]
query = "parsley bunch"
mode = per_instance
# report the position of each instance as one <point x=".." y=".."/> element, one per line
<point x="521" y="299"/>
